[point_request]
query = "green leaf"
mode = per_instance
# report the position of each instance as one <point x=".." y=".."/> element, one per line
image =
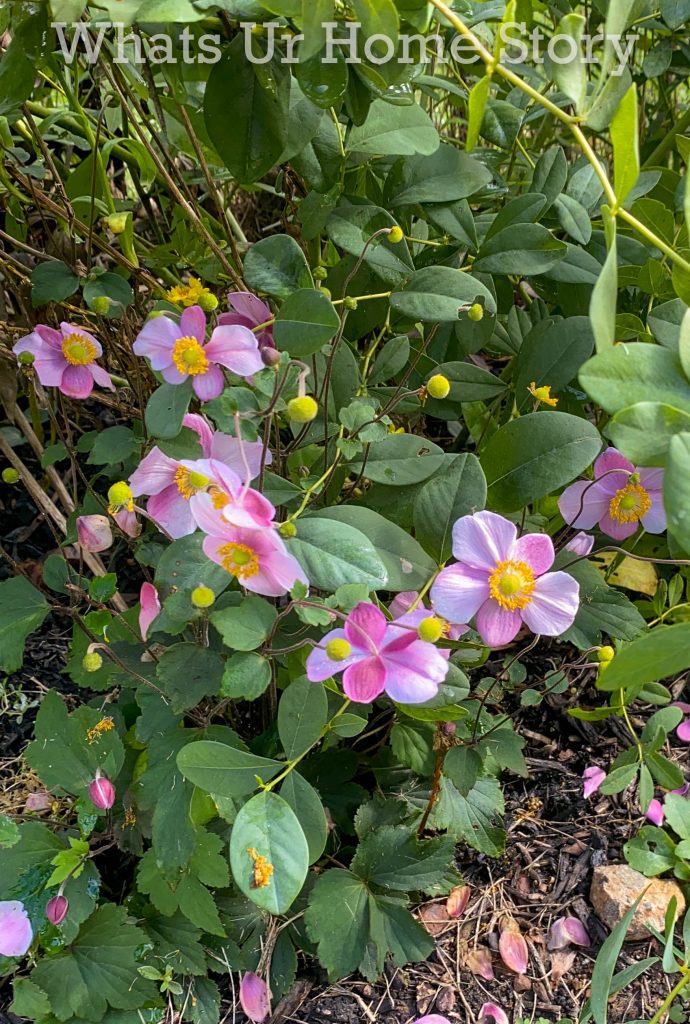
<point x="652" y="851"/>
<point x="407" y="565"/>
<point x="9" y="832"/>
<point x="677" y="810"/>
<point x="52" y="282"/>
<point x="531" y="456"/>
<point x="626" y="147"/>
<point x="378" y="18"/>
<point x="302" y="716"/>
<point x="224" y="770"/>
<point x="644" y="432"/>
<point x="400" y="460"/>
<point x="444" y="177"/>
<point x="246" y="676"/>
<point x="112" y="287"/>
<point x="459" y="491"/>
<point x="23" y="609"/>
<point x="473" y="817"/>
<point x="166" y="408"/>
<point x="525" y="249"/>
<point x="307" y="320"/>
<point x="244" y="626"/>
<point x="182" y="567"/>
<point x="550" y="175"/>
<point x="677" y="489"/>
<point x="663" y="652"/>
<point x="603" y="609"/>
<point x="476" y="105"/>
<point x="393" y="859"/>
<point x="188" y="673"/>
<point x="605" y="965"/>
<point x="351" y="226"/>
<point x="332" y="556"/>
<point x="252" y="140"/>
<point x="391" y="360"/>
<point x="412" y="746"/>
<point x="394" y="131"/>
<point x="306" y="803"/>
<point x="436" y="295"/>
<point x="98" y="970"/>
<point x="552" y="353"/>
<point x="268" y="826"/>
<point x="675" y="12"/>
<point x="630" y="373"/>
<point x="569" y="71"/>
<point x="29" y="1000"/>
<point x="277" y="266"/>
<point x="603" y="303"/>
<point x="115" y="444"/>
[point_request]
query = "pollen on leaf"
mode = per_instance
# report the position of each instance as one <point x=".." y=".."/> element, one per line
<point x="105" y="725"/>
<point x="261" y="870"/>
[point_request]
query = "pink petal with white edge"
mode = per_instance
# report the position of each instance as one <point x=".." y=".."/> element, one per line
<point x="415" y="674"/>
<point x="583" y="504"/>
<point x="554" y="605"/>
<point x="255" y="998"/>
<point x="619" y="531"/>
<point x="101" y="377"/>
<point x="366" y="626"/>
<point x="209" y="385"/>
<point x="459" y="591"/>
<point x="513" y="950"/>
<point x="483" y="539"/>
<point x="200" y="426"/>
<point x="495" y="625"/>
<point x="16" y="934"/>
<point x="150" y="608"/>
<point x="155" y="472"/>
<point x="193" y="323"/>
<point x="277" y="575"/>
<point x="611" y="459"/>
<point x="365" y="680"/>
<point x="319" y="666"/>
<point x="537" y="550"/>
<point x="171" y="511"/>
<point x="235" y="348"/>
<point x="655" y="520"/>
<point x="489" y="1013"/>
<point x="155" y="341"/>
<point x="77" y="382"/>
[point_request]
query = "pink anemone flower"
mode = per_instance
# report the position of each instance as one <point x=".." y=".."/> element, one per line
<point x="257" y="558"/>
<point x="249" y="311"/>
<point x="404" y="615"/>
<point x="503" y="581"/>
<point x="16" y="934"/>
<point x="618" y="499"/>
<point x="180" y="350"/>
<point x="376" y="655"/>
<point x="226" y="500"/>
<point x="65" y="359"/>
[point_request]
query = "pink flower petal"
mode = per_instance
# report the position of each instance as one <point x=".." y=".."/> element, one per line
<point x="619" y="531"/>
<point x="554" y="605"/>
<point x="171" y="375"/>
<point x="155" y="341"/>
<point x="200" y="426"/>
<point x="489" y="1013"/>
<point x="209" y="385"/>
<point x="401" y="603"/>
<point x="364" y="681"/>
<point x="366" y="626"/>
<point x="513" y="950"/>
<point x="101" y="377"/>
<point x="49" y="362"/>
<point x="150" y="608"/>
<point x="495" y="625"/>
<point x="655" y="812"/>
<point x="592" y="779"/>
<point x="155" y="472"/>
<point x="655" y="519"/>
<point x="193" y="324"/>
<point x="77" y="382"/>
<point x="611" y="459"/>
<point x="683" y="731"/>
<point x="172" y="512"/>
<point x="583" y="504"/>
<point x="652" y="479"/>
<point x="414" y="675"/>
<point x="457" y="901"/>
<point x="255" y="997"/>
<point x="68" y="329"/>
<point x="567" y="930"/>
<point x="432" y="1018"/>
<point x="249" y="306"/>
<point x="537" y="550"/>
<point x="581" y="544"/>
<point x="228" y="449"/>
<point x="15" y="929"/>
<point x="319" y="666"/>
<point x="459" y="591"/>
<point x="483" y="539"/>
<point x="49" y="335"/>
<point x="128" y="522"/>
<point x="94" y="532"/>
<point x="235" y="348"/>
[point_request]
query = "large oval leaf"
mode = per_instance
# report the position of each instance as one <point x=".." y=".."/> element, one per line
<point x="333" y="555"/>
<point x="460" y="491"/>
<point x="536" y="454"/>
<point x="302" y="715"/>
<point x="436" y="294"/>
<point x="400" y="460"/>
<point x="224" y="770"/>
<point x="637" y="372"/>
<point x="267" y="827"/>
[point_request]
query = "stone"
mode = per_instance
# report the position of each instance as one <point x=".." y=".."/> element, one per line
<point x="615" y="887"/>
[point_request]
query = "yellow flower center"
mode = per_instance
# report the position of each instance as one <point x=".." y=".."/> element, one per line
<point x="187" y="294"/>
<point x="189" y="357"/>
<point x="219" y="498"/>
<point x="629" y="504"/>
<point x="188" y="482"/>
<point x="239" y="560"/>
<point x="78" y="350"/>
<point x="511" y="584"/>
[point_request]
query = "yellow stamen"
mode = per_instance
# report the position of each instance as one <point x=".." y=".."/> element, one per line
<point x="629" y="504"/>
<point x="187" y="294"/>
<point x="542" y="394"/>
<point x="239" y="560"/>
<point x="189" y="357"/>
<point x="105" y="725"/>
<point x="188" y="482"/>
<point x="511" y="584"/>
<point x="78" y="350"/>
<point x="262" y="870"/>
<point x="219" y="498"/>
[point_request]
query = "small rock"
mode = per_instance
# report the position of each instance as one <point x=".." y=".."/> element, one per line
<point x="616" y="887"/>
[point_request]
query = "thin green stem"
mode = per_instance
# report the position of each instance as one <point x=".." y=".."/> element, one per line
<point x="291" y="765"/>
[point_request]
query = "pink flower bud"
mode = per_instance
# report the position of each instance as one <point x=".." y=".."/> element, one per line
<point x="56" y="909"/>
<point x="567" y="930"/>
<point x="479" y="962"/>
<point x="449" y="728"/>
<point x="255" y="997"/>
<point x="513" y="948"/>
<point x="592" y="778"/>
<point x="270" y="356"/>
<point x="39" y="801"/>
<point x="655" y="812"/>
<point x="150" y="608"/>
<point x="581" y="544"/>
<point x="492" y="1014"/>
<point x="94" y="533"/>
<point x="457" y="900"/>
<point x="102" y="793"/>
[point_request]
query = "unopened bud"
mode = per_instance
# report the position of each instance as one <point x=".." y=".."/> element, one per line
<point x="449" y="729"/>
<point x="10" y="475"/>
<point x="270" y="356"/>
<point x="91" y="662"/>
<point x="320" y="273"/>
<point x="605" y="655"/>
<point x="208" y="301"/>
<point x="302" y="410"/>
<point x="56" y="909"/>
<point x="26" y="358"/>
<point x="438" y="386"/>
<point x="100" y="305"/>
<point x="350" y="302"/>
<point x="94" y="533"/>
<point x="287" y="530"/>
<point x="117" y="222"/>
<point x="476" y="312"/>
<point x="202" y="597"/>
<point x="431" y="629"/>
<point x="396" y="235"/>
<point x="102" y="793"/>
